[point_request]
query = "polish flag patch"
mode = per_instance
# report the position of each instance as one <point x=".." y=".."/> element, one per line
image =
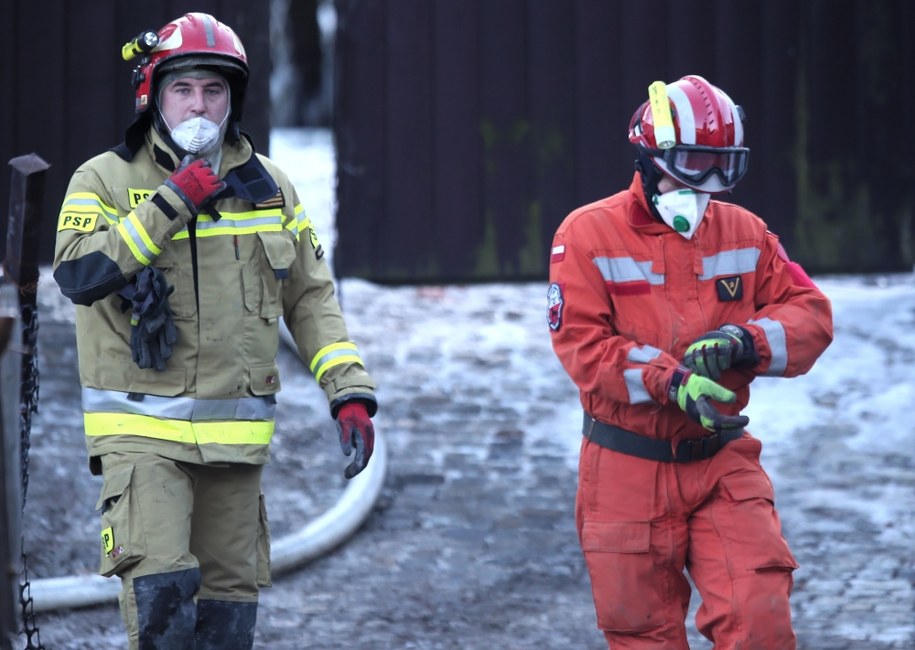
<point x="557" y="254"/>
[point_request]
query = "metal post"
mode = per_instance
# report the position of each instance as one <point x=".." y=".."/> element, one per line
<point x="10" y="470"/>
<point x="18" y="376"/>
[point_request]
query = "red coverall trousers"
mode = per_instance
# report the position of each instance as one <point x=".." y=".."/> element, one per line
<point x="641" y="523"/>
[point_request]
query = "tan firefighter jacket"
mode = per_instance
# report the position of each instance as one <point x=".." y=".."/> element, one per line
<point x="236" y="270"/>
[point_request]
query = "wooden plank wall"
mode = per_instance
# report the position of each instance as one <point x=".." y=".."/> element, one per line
<point x="67" y="94"/>
<point x="467" y="130"/>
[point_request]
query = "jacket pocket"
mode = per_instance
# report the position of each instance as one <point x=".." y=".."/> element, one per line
<point x="616" y="537"/>
<point x="749" y="525"/>
<point x="620" y="564"/>
<point x="264" y="379"/>
<point x="182" y="300"/>
<point x="279" y="251"/>
<point x="122" y="541"/>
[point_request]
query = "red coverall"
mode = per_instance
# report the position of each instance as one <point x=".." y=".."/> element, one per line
<point x="627" y="296"/>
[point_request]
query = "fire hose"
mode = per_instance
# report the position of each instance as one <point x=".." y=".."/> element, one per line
<point x="326" y="532"/>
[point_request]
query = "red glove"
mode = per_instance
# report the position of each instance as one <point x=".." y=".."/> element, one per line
<point x="195" y="182"/>
<point x="356" y="432"/>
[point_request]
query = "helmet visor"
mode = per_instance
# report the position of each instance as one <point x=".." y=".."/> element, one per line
<point x="693" y="165"/>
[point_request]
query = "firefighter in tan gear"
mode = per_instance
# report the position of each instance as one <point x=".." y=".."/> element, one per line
<point x="663" y="306"/>
<point x="182" y="248"/>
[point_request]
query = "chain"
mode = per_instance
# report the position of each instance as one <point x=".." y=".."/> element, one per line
<point x="29" y="626"/>
<point x="28" y="404"/>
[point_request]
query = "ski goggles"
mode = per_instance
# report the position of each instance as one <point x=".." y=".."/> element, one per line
<point x="693" y="164"/>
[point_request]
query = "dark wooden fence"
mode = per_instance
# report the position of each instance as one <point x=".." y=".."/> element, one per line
<point x="467" y="130"/>
<point x="66" y="93"/>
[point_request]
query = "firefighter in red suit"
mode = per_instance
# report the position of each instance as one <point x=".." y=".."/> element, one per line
<point x="664" y="304"/>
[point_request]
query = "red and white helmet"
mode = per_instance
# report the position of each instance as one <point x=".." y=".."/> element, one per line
<point x="195" y="40"/>
<point x="696" y="136"/>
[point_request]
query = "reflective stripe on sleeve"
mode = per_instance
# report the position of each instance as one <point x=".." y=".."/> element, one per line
<point x="634" y="377"/>
<point x="635" y="385"/>
<point x="334" y="355"/>
<point x="300" y="223"/>
<point x="138" y="240"/>
<point x="778" y="345"/>
<point x="89" y="203"/>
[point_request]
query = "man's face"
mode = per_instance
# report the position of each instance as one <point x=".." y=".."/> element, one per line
<point x="189" y="97"/>
<point x="669" y="184"/>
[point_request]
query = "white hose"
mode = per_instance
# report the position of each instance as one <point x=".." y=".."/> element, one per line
<point x="325" y="533"/>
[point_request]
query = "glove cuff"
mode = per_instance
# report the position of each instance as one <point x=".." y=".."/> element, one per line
<point x="747" y="356"/>
<point x="368" y="400"/>
<point x="677" y="379"/>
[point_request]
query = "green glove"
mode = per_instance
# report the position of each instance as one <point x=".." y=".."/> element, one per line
<point x="726" y="347"/>
<point x="693" y="393"/>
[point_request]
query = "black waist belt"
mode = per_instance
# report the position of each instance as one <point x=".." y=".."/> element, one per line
<point x="626" y="442"/>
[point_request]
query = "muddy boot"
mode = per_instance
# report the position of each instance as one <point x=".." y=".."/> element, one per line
<point x="224" y="625"/>
<point x="166" y="615"/>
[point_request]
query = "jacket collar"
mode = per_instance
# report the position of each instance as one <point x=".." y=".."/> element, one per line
<point x="640" y="216"/>
<point x="164" y="156"/>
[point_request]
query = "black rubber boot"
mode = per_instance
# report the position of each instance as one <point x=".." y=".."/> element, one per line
<point x="166" y="615"/>
<point x="224" y="625"/>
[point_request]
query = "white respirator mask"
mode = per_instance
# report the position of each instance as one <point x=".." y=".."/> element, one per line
<point x="682" y="209"/>
<point x="197" y="135"/>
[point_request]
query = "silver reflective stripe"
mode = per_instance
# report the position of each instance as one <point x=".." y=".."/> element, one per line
<point x="137" y="237"/>
<point x="742" y="260"/>
<point x="626" y="269"/>
<point x="638" y="394"/>
<point x="685" y="116"/>
<point x="178" y="408"/>
<point x="778" y="345"/>
<point x="642" y="353"/>
<point x="246" y="223"/>
<point x="92" y="203"/>
<point x="209" y="31"/>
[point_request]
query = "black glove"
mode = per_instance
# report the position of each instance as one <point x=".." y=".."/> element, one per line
<point x="693" y="393"/>
<point x="727" y="347"/>
<point x="153" y="331"/>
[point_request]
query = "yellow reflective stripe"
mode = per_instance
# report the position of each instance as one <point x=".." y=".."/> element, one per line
<point x="334" y="355"/>
<point x="231" y="432"/>
<point x="143" y="235"/>
<point x="300" y="221"/>
<point x="131" y="230"/>
<point x="237" y="223"/>
<point x="89" y="203"/>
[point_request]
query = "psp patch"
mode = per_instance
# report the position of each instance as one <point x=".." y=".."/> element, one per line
<point x="729" y="289"/>
<point x="81" y="222"/>
<point x="554" y="304"/>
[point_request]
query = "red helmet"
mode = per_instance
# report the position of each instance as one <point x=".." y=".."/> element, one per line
<point x="196" y="40"/>
<point x="696" y="136"/>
